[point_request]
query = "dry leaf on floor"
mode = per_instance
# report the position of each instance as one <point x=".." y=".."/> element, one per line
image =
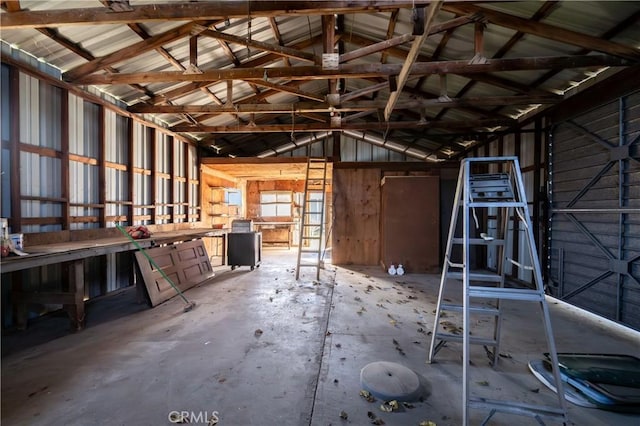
<point x="427" y="423"/>
<point x="390" y="406"/>
<point x="408" y="405"/>
<point x="258" y="332"/>
<point x="375" y="420"/>
<point x="395" y="342"/>
<point x="367" y="396"/>
<point x="357" y="299"/>
<point x="344" y="415"/>
<point x="483" y="383"/>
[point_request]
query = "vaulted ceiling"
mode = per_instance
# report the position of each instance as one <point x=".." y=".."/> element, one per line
<point x="252" y="78"/>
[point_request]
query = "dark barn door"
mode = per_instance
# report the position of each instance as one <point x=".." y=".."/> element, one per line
<point x="594" y="189"/>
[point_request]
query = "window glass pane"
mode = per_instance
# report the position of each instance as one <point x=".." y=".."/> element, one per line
<point x="268" y="210"/>
<point x="283" y="210"/>
<point x="284" y="197"/>
<point x="267" y="197"/>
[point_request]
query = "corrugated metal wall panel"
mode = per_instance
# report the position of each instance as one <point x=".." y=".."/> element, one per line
<point x="40" y="107"/>
<point x="29" y="107"/>
<point x="599" y="267"/>
<point x="50" y="116"/>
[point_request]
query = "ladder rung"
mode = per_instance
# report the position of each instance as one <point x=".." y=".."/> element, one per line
<point x="520" y="265"/>
<point x="515" y="407"/>
<point x="495" y="204"/>
<point x="472" y="339"/>
<point x="311" y="238"/>
<point x="483" y="310"/>
<point x="477" y="276"/>
<point x="506" y="293"/>
<point x="306" y="265"/>
<point x="478" y="241"/>
<point x="455" y="265"/>
<point x="309" y="251"/>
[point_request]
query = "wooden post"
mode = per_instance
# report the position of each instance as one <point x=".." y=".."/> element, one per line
<point x="64" y="160"/>
<point x="154" y="175"/>
<point x="14" y="166"/>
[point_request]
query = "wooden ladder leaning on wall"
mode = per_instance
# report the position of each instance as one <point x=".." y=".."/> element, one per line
<point x="312" y="219"/>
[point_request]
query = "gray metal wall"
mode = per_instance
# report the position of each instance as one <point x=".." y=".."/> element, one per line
<point x="594" y="186"/>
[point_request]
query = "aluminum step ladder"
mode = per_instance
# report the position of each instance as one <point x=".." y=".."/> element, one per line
<point x="499" y="196"/>
<point x="312" y="219"/>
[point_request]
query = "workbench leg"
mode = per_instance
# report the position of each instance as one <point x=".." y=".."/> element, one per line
<point x="224" y="249"/>
<point x="76" y="286"/>
<point x="141" y="296"/>
<point x="19" y="307"/>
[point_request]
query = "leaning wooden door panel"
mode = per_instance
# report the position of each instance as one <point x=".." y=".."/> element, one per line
<point x="410" y="222"/>
<point x="185" y="264"/>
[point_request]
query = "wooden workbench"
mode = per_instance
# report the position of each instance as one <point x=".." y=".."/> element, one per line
<point x="73" y="254"/>
<point x="286" y="229"/>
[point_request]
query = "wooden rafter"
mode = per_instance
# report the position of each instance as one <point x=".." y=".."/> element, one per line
<point x="544" y="11"/>
<point x="288" y="89"/>
<point x="276" y="34"/>
<point x="133" y="50"/>
<point x="268" y="47"/>
<point x="484" y="78"/>
<point x="11" y="5"/>
<point x="407" y="67"/>
<point x="547" y="31"/>
<point x="391" y="29"/>
<point x="345" y="106"/>
<point x="317" y="127"/>
<point x="209" y="10"/>
<point x="259" y="61"/>
<point x="360" y="70"/>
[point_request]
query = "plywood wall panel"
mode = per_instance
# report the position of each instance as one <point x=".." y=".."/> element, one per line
<point x="356" y="216"/>
<point x="410" y="222"/>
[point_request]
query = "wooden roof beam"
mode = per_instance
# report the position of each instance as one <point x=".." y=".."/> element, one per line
<point x="259" y="61"/>
<point x="391" y="29"/>
<point x="273" y="48"/>
<point x="544" y="11"/>
<point x="276" y="34"/>
<point x="547" y="31"/>
<point x="299" y="107"/>
<point x="289" y="89"/>
<point x="209" y="10"/>
<point x="361" y="70"/>
<point x="317" y="127"/>
<point x="484" y="78"/>
<point x="131" y="51"/>
<point x="432" y="10"/>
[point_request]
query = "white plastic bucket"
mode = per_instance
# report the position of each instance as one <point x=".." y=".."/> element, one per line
<point x="17" y="240"/>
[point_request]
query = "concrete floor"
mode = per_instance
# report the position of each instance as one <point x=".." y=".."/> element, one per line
<point x="134" y="366"/>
